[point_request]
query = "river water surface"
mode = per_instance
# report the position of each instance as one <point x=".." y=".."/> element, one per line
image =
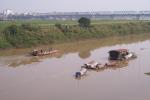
<point x="23" y="77"/>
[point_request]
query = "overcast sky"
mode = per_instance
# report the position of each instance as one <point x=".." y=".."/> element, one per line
<point x="74" y="5"/>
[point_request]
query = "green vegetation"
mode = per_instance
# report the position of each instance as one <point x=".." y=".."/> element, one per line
<point x="22" y="34"/>
<point x="3" y="42"/>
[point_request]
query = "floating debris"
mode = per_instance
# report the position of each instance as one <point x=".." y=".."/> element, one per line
<point x="148" y="73"/>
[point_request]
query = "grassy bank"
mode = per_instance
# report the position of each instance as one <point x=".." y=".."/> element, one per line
<point x="21" y="34"/>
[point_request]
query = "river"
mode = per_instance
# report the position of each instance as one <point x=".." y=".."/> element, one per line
<point x="23" y="77"/>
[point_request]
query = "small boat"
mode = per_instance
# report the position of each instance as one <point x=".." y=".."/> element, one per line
<point x="43" y="52"/>
<point x="121" y="54"/>
<point x="81" y="73"/>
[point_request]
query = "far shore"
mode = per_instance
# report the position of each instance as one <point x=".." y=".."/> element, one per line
<point x="27" y="34"/>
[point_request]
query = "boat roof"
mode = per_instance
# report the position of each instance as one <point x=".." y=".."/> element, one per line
<point x="122" y="50"/>
<point x="119" y="50"/>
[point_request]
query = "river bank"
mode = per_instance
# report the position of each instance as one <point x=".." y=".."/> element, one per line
<point x="27" y="35"/>
<point x="84" y="47"/>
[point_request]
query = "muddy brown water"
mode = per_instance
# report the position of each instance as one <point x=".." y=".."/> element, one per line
<point x="23" y="77"/>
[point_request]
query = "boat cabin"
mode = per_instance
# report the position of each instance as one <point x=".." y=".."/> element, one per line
<point x="119" y="54"/>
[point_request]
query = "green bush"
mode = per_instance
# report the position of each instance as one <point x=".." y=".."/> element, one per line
<point x="3" y="42"/>
<point x="20" y="36"/>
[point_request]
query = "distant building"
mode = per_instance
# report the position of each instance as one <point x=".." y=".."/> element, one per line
<point x="8" y="12"/>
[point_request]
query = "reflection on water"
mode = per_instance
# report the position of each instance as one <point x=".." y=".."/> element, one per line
<point x="51" y="77"/>
<point x="84" y="54"/>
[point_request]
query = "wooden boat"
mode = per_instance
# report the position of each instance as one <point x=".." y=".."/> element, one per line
<point x="43" y="52"/>
<point x="98" y="66"/>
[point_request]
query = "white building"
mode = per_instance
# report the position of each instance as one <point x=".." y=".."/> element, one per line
<point x="8" y="12"/>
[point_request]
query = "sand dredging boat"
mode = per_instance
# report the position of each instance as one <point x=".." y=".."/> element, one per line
<point x="117" y="59"/>
<point x="93" y="65"/>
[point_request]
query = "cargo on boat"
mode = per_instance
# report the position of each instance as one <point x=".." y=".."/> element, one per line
<point x="93" y="65"/>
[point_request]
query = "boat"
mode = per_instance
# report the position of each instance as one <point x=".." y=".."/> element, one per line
<point x="93" y="65"/>
<point x="81" y="73"/>
<point x="43" y="52"/>
<point x="97" y="66"/>
<point x="121" y="54"/>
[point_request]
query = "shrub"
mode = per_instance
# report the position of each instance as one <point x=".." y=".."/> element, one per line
<point x="3" y="42"/>
<point x="84" y="22"/>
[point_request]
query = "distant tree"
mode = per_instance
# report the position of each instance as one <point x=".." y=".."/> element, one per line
<point x="84" y="22"/>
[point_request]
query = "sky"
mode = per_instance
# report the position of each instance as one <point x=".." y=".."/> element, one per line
<point x="74" y="5"/>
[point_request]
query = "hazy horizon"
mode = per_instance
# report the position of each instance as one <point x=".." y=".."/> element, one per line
<point x="74" y="6"/>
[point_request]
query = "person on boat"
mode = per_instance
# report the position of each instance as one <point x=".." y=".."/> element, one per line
<point x="41" y="51"/>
